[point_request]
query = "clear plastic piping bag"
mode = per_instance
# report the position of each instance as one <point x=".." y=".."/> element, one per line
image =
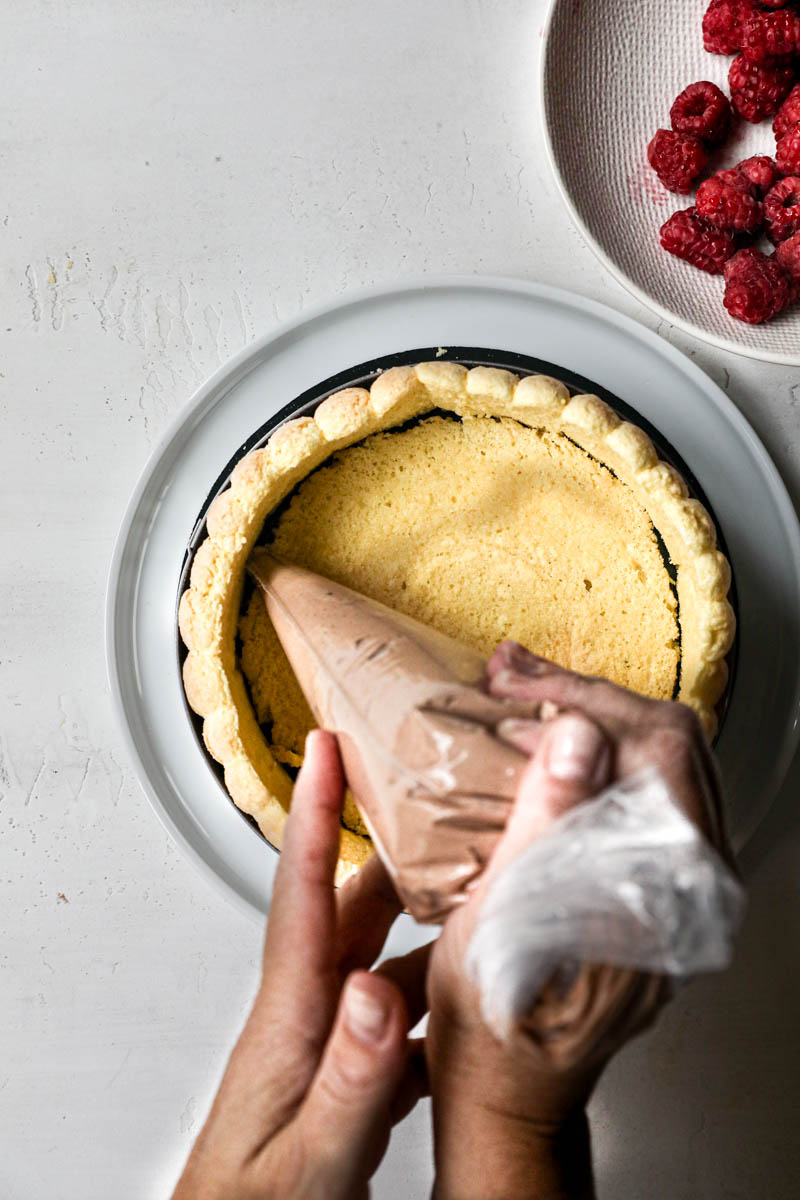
<point x="623" y="879"/>
<point x="416" y="732"/>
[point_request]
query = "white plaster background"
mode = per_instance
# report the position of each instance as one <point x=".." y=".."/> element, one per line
<point x="177" y="177"/>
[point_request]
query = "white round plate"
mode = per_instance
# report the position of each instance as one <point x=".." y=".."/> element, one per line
<point x="610" y="71"/>
<point x="743" y="488"/>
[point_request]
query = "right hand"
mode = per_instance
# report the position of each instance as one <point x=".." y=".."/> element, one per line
<point x="509" y="1117"/>
<point x="640" y="732"/>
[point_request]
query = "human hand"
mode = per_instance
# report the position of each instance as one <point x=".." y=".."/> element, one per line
<point x="324" y="1066"/>
<point x="509" y="1116"/>
<point x="639" y="732"/>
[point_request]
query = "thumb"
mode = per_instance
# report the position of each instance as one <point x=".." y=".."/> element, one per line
<point x="346" y="1116"/>
<point x="571" y="762"/>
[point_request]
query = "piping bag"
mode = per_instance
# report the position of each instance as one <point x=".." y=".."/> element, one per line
<point x="625" y="878"/>
<point x="416" y="734"/>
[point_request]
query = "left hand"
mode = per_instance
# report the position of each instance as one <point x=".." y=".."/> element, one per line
<point x="324" y="1066"/>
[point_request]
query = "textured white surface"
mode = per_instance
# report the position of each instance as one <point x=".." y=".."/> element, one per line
<point x="176" y="179"/>
<point x="637" y="58"/>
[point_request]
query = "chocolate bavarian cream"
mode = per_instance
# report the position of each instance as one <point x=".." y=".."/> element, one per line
<point x="416" y="733"/>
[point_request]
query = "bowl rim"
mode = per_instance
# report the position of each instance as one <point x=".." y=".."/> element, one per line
<point x="666" y="314"/>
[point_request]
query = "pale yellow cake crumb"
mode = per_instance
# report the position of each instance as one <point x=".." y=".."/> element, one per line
<point x="485" y="529"/>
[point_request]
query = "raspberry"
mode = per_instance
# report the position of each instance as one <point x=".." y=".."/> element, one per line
<point x="756" y="287"/>
<point x="688" y="236"/>
<point x="761" y="171"/>
<point x="782" y="209"/>
<point x="677" y="159"/>
<point x="774" y="3"/>
<point x="788" y="255"/>
<point x="758" y="91"/>
<point x="723" y="25"/>
<point x="736" y="262"/>
<point x="729" y="204"/>
<point x="767" y="36"/>
<point x="788" y="114"/>
<point x="787" y="154"/>
<point x="737" y="179"/>
<point x="703" y="110"/>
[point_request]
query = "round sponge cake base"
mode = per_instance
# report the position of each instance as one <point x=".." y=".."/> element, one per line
<point x="535" y="407"/>
<point x="484" y="529"/>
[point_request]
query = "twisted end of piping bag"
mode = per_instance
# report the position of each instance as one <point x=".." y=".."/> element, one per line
<point x="623" y="879"/>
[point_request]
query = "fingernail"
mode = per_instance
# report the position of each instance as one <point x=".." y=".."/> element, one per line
<point x="504" y="679"/>
<point x="505" y="652"/>
<point x="524" y="735"/>
<point x="576" y="750"/>
<point x="526" y="662"/>
<point x="367" y="1015"/>
<point x="515" y="727"/>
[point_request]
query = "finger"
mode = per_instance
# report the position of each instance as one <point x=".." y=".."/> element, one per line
<point x="562" y="688"/>
<point x="616" y="709"/>
<point x="715" y="803"/>
<point x="414" y="1082"/>
<point x="299" y="975"/>
<point x="346" y="1117"/>
<point x="523" y="733"/>
<point x="514" y="656"/>
<point x="572" y="763"/>
<point x="302" y="915"/>
<point x="367" y="906"/>
<point x="300" y="968"/>
<point x="676" y="748"/>
<point x="409" y="974"/>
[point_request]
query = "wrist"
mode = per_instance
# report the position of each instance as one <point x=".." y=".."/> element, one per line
<point x="499" y="1156"/>
<point x="504" y="1129"/>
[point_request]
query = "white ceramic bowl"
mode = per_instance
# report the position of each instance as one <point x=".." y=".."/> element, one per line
<point x="610" y="71"/>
